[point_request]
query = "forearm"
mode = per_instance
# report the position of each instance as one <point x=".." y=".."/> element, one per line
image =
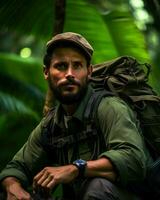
<point x="7" y="182"/>
<point x="101" y="168"/>
<point x="49" y="177"/>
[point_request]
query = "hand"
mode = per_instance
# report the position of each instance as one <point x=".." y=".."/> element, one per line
<point x="14" y="190"/>
<point x="49" y="177"/>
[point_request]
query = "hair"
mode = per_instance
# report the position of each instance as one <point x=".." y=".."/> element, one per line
<point x="48" y="56"/>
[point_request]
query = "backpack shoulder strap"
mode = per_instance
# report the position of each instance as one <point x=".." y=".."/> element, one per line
<point x="91" y="118"/>
<point x="93" y="103"/>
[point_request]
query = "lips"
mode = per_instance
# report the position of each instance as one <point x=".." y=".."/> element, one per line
<point x="69" y="86"/>
<point x="70" y="83"/>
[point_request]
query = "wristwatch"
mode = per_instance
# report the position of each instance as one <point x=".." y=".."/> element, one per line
<point x="81" y="165"/>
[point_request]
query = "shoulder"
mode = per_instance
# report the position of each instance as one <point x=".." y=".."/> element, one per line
<point x="112" y="102"/>
<point x="113" y="106"/>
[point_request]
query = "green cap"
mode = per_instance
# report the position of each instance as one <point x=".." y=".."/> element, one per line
<point x="73" y="38"/>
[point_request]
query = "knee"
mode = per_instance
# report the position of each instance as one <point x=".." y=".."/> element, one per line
<point x="98" y="188"/>
<point x="102" y="189"/>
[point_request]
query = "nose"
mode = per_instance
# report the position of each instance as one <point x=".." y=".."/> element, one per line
<point x="69" y="73"/>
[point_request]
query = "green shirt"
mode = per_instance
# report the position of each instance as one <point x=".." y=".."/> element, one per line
<point x="124" y="143"/>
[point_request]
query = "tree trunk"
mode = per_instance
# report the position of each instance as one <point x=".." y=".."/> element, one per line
<point x="59" y="10"/>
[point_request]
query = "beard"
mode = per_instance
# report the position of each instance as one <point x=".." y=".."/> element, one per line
<point x="70" y="98"/>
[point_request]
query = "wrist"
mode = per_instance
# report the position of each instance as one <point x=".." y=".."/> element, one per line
<point x="81" y="166"/>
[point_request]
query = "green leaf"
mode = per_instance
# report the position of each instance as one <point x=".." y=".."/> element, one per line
<point x="11" y="104"/>
<point x="28" y="17"/>
<point x="28" y="70"/>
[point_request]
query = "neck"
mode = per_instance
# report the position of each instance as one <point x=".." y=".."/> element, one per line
<point x="70" y="109"/>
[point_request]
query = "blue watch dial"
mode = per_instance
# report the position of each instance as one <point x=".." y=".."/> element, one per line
<point x="81" y="165"/>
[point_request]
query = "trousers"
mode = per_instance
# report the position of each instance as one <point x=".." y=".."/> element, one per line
<point x="102" y="189"/>
<point x="93" y="189"/>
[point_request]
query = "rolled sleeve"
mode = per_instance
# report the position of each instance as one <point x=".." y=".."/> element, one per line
<point x="8" y="172"/>
<point x="124" y="141"/>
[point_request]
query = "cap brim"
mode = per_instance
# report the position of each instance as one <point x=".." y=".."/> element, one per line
<point x="53" y="44"/>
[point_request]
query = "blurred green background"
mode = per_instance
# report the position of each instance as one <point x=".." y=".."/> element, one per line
<point x="113" y="27"/>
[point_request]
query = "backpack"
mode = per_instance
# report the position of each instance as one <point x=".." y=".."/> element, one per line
<point x="126" y="78"/>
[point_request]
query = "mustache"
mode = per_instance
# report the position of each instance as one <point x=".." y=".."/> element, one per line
<point x="70" y="80"/>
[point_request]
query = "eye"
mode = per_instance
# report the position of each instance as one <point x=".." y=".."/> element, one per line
<point x="61" y="66"/>
<point x="78" y="65"/>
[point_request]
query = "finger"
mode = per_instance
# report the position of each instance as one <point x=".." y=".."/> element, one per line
<point x="11" y="197"/>
<point x="19" y="197"/>
<point x="24" y="196"/>
<point x="43" y="178"/>
<point x="46" y="181"/>
<point x="39" y="175"/>
<point x="39" y="178"/>
<point x="51" y="184"/>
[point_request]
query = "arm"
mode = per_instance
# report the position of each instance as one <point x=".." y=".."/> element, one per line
<point x="124" y="140"/>
<point x="28" y="161"/>
<point x="101" y="167"/>
<point x="49" y="177"/>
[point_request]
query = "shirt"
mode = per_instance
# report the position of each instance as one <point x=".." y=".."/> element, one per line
<point x="124" y="143"/>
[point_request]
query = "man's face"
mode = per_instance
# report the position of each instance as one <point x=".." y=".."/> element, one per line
<point x="68" y="75"/>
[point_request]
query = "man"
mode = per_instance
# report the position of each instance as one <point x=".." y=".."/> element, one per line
<point x="100" y="166"/>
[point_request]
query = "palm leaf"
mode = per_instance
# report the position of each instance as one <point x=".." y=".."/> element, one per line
<point x="28" y="17"/>
<point x="112" y="34"/>
<point x="21" y="81"/>
<point x="11" y="104"/>
<point x="81" y="16"/>
<point x="27" y="70"/>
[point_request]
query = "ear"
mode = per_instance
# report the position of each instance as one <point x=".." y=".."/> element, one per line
<point x="45" y="72"/>
<point x="90" y="69"/>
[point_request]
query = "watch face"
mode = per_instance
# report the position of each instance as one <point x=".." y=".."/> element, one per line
<point x="80" y="162"/>
<point x="81" y="165"/>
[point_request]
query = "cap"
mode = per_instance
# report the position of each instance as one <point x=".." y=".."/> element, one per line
<point x="73" y="38"/>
